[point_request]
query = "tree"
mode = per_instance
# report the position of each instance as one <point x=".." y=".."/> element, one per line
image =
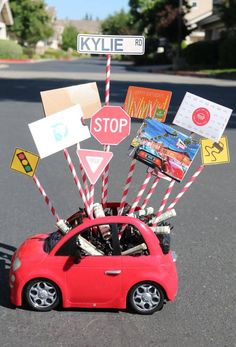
<point x="117" y="24"/>
<point x="31" y="21"/>
<point x="69" y="37"/>
<point x="159" y="18"/>
<point x="227" y="13"/>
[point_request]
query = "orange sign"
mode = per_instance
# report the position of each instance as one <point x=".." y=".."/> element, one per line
<point x="144" y="102"/>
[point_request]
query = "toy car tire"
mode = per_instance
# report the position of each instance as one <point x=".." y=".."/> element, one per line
<point x="146" y="298"/>
<point x="42" y="295"/>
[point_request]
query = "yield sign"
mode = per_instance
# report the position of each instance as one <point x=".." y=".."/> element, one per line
<point x="94" y="162"/>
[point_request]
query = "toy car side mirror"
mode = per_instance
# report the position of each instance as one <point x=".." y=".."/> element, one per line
<point x="77" y="256"/>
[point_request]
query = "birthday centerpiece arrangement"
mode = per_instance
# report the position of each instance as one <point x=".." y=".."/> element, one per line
<point x="112" y="254"/>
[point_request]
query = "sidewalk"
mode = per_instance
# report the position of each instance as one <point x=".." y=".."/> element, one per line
<point x="168" y="69"/>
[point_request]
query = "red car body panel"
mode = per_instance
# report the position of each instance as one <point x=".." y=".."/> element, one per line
<point x="86" y="284"/>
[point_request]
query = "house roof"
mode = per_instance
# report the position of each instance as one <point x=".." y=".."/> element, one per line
<point x="6" y="12"/>
<point x="211" y="19"/>
<point x="83" y="26"/>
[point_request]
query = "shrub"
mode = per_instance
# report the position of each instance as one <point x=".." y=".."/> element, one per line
<point x="10" y="50"/>
<point x="29" y="52"/>
<point x="151" y="59"/>
<point x="53" y="53"/>
<point x="202" y="54"/>
<point x="227" y="53"/>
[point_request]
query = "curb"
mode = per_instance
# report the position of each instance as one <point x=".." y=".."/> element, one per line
<point x="16" y="61"/>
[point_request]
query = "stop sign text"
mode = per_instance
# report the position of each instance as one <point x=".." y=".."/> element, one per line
<point x="110" y="125"/>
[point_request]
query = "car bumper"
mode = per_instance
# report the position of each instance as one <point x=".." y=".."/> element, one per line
<point x="15" y="289"/>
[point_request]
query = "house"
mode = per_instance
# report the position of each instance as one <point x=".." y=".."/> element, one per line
<point x="5" y="18"/>
<point x="83" y="26"/>
<point x="203" y="20"/>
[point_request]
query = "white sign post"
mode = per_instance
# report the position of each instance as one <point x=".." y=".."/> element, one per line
<point x="111" y="44"/>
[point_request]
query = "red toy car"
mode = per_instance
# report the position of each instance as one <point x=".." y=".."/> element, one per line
<point x="107" y="262"/>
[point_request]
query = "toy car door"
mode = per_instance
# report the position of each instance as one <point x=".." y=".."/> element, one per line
<point x="96" y="280"/>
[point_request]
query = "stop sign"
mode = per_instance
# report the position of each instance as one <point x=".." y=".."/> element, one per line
<point x="110" y="125"/>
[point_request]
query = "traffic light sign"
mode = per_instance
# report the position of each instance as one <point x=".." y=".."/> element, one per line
<point x="24" y="162"/>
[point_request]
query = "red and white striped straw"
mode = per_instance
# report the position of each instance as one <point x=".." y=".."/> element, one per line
<point x="108" y="79"/>
<point x="151" y="191"/>
<point x="84" y="179"/>
<point x="127" y="185"/>
<point x="164" y="201"/>
<point x="105" y="174"/>
<point x="105" y="178"/>
<point x="91" y="200"/>
<point x="76" y="179"/>
<point x="140" y="193"/>
<point x="186" y="187"/>
<point x="46" y="198"/>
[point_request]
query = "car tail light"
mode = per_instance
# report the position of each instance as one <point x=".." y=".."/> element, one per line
<point x="157" y="162"/>
<point x="142" y="154"/>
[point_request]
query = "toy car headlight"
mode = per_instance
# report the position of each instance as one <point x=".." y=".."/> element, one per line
<point x="16" y="264"/>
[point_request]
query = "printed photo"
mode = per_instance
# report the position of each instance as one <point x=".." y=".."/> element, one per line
<point x="160" y="146"/>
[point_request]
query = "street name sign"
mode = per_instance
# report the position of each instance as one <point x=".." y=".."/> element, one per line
<point x="110" y="125"/>
<point x="111" y="44"/>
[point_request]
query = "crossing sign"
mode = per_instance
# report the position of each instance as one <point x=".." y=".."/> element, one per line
<point x="24" y="162"/>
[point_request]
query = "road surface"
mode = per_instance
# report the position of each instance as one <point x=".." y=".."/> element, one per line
<point x="204" y="229"/>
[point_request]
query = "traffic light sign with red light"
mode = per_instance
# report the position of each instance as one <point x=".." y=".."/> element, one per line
<point x="24" y="162"/>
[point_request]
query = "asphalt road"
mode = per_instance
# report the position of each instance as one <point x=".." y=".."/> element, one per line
<point x="204" y="230"/>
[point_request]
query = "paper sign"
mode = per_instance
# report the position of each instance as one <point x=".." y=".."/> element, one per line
<point x="202" y="116"/>
<point x="24" y="162"/>
<point x="159" y="145"/>
<point x="94" y="162"/>
<point x="111" y="44"/>
<point x="59" y="131"/>
<point x="144" y="102"/>
<point x="110" y="125"/>
<point x="86" y="95"/>
<point x="215" y="152"/>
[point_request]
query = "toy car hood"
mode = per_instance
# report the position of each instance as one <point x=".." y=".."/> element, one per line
<point x="32" y="248"/>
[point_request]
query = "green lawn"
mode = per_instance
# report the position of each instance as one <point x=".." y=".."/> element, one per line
<point x="217" y="71"/>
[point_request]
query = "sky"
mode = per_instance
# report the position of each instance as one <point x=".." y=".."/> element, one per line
<point x="77" y="9"/>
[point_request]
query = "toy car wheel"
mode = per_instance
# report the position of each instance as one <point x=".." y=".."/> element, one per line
<point x="42" y="295"/>
<point x="146" y="298"/>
